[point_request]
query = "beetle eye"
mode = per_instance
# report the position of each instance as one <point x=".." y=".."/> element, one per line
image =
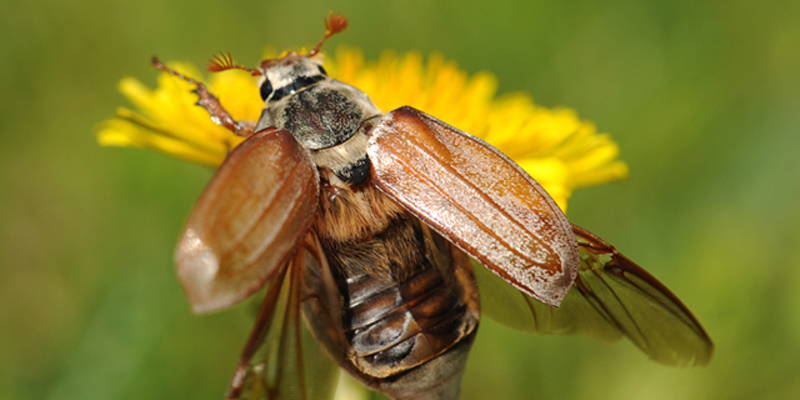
<point x="266" y="89"/>
<point x="322" y="70"/>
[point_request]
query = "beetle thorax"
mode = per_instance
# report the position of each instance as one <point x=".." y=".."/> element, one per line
<point x="321" y="113"/>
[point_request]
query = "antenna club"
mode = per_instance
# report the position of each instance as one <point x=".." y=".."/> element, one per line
<point x="335" y="23"/>
<point x="224" y="61"/>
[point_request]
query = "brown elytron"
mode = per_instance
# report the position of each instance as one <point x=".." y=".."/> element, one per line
<point x="268" y="178"/>
<point x="473" y="194"/>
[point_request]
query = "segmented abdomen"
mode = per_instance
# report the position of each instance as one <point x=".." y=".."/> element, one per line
<point x="408" y="305"/>
<point x="393" y="326"/>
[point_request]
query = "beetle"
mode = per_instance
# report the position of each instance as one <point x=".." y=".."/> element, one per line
<point x="364" y="224"/>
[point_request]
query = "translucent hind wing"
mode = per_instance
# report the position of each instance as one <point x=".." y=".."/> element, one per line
<point x="282" y="360"/>
<point x="612" y="297"/>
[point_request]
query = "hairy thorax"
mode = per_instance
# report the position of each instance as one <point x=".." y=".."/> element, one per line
<point x="362" y="229"/>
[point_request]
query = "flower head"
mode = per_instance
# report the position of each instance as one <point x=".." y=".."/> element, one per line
<point x="559" y="150"/>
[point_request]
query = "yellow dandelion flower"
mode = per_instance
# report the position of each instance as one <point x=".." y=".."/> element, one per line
<point x="553" y="145"/>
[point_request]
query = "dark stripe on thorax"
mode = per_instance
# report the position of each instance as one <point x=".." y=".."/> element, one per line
<point x="299" y="83"/>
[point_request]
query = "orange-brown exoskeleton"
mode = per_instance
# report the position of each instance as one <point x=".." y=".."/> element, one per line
<point x="364" y="223"/>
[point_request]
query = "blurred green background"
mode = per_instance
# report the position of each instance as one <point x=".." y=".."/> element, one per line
<point x="703" y="98"/>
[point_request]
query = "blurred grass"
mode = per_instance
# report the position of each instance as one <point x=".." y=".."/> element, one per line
<point x="702" y="97"/>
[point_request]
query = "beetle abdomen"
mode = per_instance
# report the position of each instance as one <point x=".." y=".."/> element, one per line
<point x="408" y="300"/>
<point x="395" y="326"/>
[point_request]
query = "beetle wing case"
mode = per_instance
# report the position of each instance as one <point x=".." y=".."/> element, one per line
<point x="248" y="221"/>
<point x="478" y="198"/>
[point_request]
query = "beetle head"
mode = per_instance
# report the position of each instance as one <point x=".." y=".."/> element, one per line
<point x="294" y="71"/>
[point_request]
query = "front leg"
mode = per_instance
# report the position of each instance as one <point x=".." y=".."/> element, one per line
<point x="208" y="101"/>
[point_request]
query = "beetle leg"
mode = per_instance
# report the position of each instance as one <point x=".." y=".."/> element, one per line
<point x="208" y="101"/>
